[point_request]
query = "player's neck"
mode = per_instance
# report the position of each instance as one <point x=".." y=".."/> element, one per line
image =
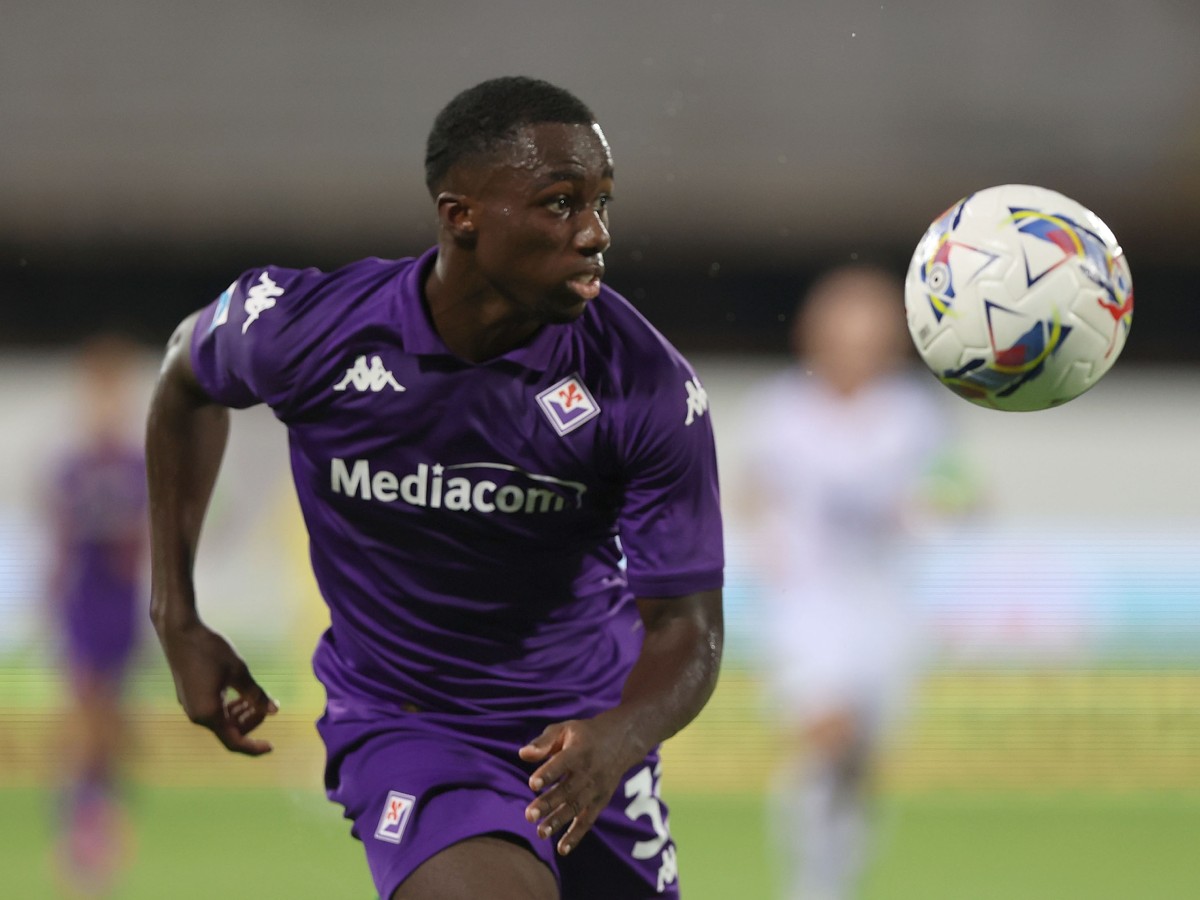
<point x="474" y="321"/>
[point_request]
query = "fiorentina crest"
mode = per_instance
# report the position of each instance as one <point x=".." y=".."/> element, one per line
<point x="568" y="404"/>
<point x="396" y="811"/>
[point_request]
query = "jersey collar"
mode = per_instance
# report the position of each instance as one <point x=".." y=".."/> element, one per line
<point x="421" y="339"/>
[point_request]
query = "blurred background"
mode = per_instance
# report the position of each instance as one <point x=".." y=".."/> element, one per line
<point x="149" y="152"/>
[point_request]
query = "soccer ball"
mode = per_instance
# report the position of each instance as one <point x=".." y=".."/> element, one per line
<point x="1018" y="298"/>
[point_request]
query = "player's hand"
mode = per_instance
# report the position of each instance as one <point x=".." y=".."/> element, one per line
<point x="215" y="687"/>
<point x="585" y="760"/>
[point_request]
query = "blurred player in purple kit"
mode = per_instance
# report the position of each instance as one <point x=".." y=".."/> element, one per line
<point x="509" y="482"/>
<point x="98" y="509"/>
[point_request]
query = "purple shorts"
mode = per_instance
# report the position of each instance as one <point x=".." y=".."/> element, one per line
<point x="415" y="788"/>
<point x="100" y="632"/>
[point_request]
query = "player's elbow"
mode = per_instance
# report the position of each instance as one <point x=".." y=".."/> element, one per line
<point x="695" y="622"/>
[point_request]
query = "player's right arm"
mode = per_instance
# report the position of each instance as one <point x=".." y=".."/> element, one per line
<point x="185" y="441"/>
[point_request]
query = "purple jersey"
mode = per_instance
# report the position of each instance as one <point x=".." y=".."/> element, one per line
<point x="99" y="508"/>
<point x="479" y="532"/>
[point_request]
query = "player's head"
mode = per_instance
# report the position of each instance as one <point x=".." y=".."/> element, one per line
<point x="849" y="328"/>
<point x="522" y="176"/>
<point x="106" y="364"/>
<point x="481" y="120"/>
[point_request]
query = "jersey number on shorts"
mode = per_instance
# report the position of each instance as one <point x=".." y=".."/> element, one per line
<point x="644" y="792"/>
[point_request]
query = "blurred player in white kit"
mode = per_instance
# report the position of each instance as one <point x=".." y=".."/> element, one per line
<point x="839" y="449"/>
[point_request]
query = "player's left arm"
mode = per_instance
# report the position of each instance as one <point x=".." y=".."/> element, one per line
<point x="673" y="678"/>
<point x="670" y="527"/>
<point x="676" y="671"/>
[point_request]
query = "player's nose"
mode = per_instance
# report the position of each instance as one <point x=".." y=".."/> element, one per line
<point x="592" y="238"/>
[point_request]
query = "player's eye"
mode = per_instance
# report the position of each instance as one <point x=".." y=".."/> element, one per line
<point x="560" y="204"/>
<point x="603" y="202"/>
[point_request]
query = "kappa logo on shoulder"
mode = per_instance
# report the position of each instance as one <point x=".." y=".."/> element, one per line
<point x="568" y="404"/>
<point x="259" y="299"/>
<point x="396" y="811"/>
<point x="363" y="378"/>
<point x="697" y="400"/>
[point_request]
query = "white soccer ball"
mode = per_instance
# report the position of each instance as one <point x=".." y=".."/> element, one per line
<point x="1018" y="298"/>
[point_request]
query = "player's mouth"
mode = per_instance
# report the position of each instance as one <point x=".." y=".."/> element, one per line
<point x="586" y="285"/>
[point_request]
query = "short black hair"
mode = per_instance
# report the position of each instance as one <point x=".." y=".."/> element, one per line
<point x="484" y="116"/>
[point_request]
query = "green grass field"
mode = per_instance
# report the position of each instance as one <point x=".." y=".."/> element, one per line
<point x="198" y="844"/>
<point x="1007" y="785"/>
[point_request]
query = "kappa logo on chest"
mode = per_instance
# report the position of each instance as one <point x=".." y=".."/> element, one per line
<point x="568" y="404"/>
<point x="372" y="378"/>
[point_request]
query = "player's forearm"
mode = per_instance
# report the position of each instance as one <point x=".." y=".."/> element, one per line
<point x="185" y="441"/>
<point x="677" y="669"/>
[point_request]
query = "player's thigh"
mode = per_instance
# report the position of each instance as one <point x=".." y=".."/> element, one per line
<point x="834" y="731"/>
<point x="418" y="793"/>
<point x="484" y="866"/>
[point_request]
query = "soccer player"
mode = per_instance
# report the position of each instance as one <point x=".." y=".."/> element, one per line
<point x="839" y="446"/>
<point x="509" y="483"/>
<point x="98" y="511"/>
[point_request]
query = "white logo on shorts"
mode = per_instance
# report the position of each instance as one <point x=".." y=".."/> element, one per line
<point x="644" y="791"/>
<point x="396" y="811"/>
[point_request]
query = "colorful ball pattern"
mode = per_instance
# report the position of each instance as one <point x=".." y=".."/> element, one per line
<point x="1018" y="298"/>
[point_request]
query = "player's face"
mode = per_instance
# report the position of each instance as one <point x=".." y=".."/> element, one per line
<point x="540" y="212"/>
<point x="854" y="337"/>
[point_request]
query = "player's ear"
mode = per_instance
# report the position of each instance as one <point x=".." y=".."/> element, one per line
<point x="456" y="215"/>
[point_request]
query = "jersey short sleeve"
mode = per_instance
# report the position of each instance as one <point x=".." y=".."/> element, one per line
<point x="249" y="344"/>
<point x="670" y="519"/>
